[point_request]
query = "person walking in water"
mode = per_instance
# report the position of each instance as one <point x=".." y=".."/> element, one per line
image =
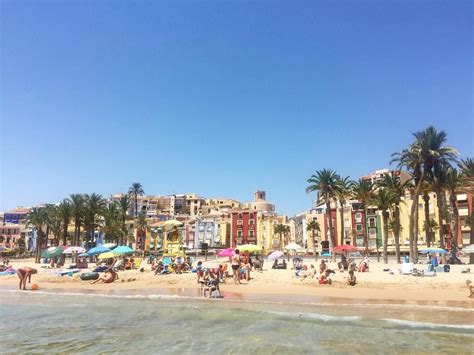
<point x="25" y="273"/>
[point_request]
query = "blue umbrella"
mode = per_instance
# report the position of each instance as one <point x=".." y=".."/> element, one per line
<point x="325" y="254"/>
<point x="120" y="250"/>
<point x="433" y="250"/>
<point x="97" y="251"/>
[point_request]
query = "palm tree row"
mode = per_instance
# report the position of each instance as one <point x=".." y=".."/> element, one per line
<point x="433" y="167"/>
<point x="90" y="213"/>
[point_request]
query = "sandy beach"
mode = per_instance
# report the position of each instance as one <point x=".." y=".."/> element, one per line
<point x="444" y="288"/>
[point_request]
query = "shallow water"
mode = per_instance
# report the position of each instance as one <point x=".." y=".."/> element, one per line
<point x="91" y="323"/>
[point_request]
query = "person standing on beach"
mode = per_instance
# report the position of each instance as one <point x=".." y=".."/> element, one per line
<point x="25" y="273"/>
<point x="236" y="266"/>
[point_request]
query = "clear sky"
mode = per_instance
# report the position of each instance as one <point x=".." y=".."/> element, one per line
<point x="223" y="98"/>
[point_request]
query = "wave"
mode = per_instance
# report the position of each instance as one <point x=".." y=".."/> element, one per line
<point x="413" y="324"/>
<point x="318" y="316"/>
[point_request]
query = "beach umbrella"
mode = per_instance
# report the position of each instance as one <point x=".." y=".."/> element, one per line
<point x="469" y="249"/>
<point x="52" y="252"/>
<point x="345" y="249"/>
<point x="109" y="245"/>
<point x="97" y="250"/>
<point x="121" y="250"/>
<point x="107" y="255"/>
<point x="433" y="250"/>
<point x="249" y="248"/>
<point x="275" y="255"/>
<point x="172" y="223"/>
<point x="71" y="250"/>
<point x="326" y="254"/>
<point x="226" y="252"/>
<point x="293" y="247"/>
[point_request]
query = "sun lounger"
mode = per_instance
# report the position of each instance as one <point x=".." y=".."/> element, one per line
<point x="406" y="269"/>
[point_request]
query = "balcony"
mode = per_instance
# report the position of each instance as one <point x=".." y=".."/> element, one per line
<point x="461" y="197"/>
<point x="463" y="212"/>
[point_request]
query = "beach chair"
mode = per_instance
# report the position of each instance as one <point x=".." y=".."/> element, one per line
<point x="137" y="263"/>
<point x="406" y="269"/>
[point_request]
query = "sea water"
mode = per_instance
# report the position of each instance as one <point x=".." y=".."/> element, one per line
<point x="92" y="323"/>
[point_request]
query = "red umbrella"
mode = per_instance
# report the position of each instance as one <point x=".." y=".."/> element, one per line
<point x="345" y="248"/>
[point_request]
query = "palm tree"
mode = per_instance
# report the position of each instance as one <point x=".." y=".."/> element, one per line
<point x="124" y="205"/>
<point x="38" y="219"/>
<point x="94" y="204"/>
<point x="326" y="183"/>
<point x="342" y="192"/>
<point x="467" y="170"/>
<point x="280" y="229"/>
<point x="363" y="191"/>
<point x="397" y="189"/>
<point x="77" y="203"/>
<point x="385" y="201"/>
<point x="438" y="185"/>
<point x="142" y="226"/>
<point x="454" y="186"/>
<point x="313" y="226"/>
<point x="111" y="223"/>
<point x="136" y="190"/>
<point x="425" y="190"/>
<point x="54" y="223"/>
<point x="427" y="150"/>
<point x="65" y="212"/>
<point x="431" y="225"/>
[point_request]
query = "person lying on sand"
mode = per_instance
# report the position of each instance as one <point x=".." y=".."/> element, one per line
<point x="351" y="279"/>
<point x="109" y="277"/>
<point x="471" y="288"/>
<point x="25" y="273"/>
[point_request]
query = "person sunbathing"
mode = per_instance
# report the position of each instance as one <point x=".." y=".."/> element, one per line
<point x="24" y="274"/>
<point x="351" y="279"/>
<point x="471" y="288"/>
<point x="109" y="277"/>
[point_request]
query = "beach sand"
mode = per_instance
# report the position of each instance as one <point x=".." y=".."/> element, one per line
<point x="376" y="285"/>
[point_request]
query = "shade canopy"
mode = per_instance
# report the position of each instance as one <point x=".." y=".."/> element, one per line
<point x="275" y="255"/>
<point x="107" y="255"/>
<point x="97" y="250"/>
<point x="109" y="245"/>
<point x="293" y="246"/>
<point x="122" y="250"/>
<point x="249" y="248"/>
<point x="226" y="252"/>
<point x="71" y="250"/>
<point x="52" y="252"/>
<point x="433" y="250"/>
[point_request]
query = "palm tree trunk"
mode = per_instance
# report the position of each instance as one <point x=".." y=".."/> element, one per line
<point x="471" y="236"/>
<point x="413" y="224"/>
<point x="331" y="231"/>
<point x="314" y="245"/>
<point x="385" y="236"/>
<point x="397" y="233"/>
<point x="415" y="234"/>
<point x="39" y="242"/>
<point x="366" y="232"/>
<point x="426" y="205"/>
<point x="136" y="205"/>
<point x="65" y="232"/>
<point x="439" y="204"/>
<point x="342" y="223"/>
<point x="454" y="248"/>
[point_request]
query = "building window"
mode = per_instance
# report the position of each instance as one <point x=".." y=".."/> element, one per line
<point x="372" y="222"/>
<point x="239" y="233"/>
<point x="358" y="217"/>
<point x="251" y="222"/>
<point x="359" y="227"/>
<point x="251" y="233"/>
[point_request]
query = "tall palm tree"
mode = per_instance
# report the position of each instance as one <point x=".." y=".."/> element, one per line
<point x="385" y="201"/>
<point x="136" y="190"/>
<point x="425" y="192"/>
<point x="38" y="219"/>
<point x="77" y="203"/>
<point x="280" y="229"/>
<point x="343" y="191"/>
<point x="467" y="170"/>
<point x="393" y="184"/>
<point x="94" y="204"/>
<point x="326" y="183"/>
<point x="313" y="226"/>
<point x="142" y="226"/>
<point x="54" y="222"/>
<point x="124" y="205"/>
<point x="454" y="186"/>
<point x="427" y="150"/>
<point x="65" y="212"/>
<point x="438" y="185"/>
<point x="431" y="226"/>
<point x="363" y="191"/>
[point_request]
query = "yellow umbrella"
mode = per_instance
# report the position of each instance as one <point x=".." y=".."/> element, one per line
<point x="107" y="255"/>
<point x="250" y="248"/>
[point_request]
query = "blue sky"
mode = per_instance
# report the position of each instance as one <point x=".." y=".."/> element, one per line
<point x="223" y="98"/>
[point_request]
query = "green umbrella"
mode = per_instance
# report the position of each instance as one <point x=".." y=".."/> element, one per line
<point x="52" y="252"/>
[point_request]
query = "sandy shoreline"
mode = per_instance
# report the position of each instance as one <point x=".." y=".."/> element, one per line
<point x="445" y="289"/>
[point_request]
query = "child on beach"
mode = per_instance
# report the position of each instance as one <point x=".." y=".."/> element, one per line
<point x="351" y="279"/>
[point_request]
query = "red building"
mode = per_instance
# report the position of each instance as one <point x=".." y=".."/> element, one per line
<point x="243" y="228"/>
